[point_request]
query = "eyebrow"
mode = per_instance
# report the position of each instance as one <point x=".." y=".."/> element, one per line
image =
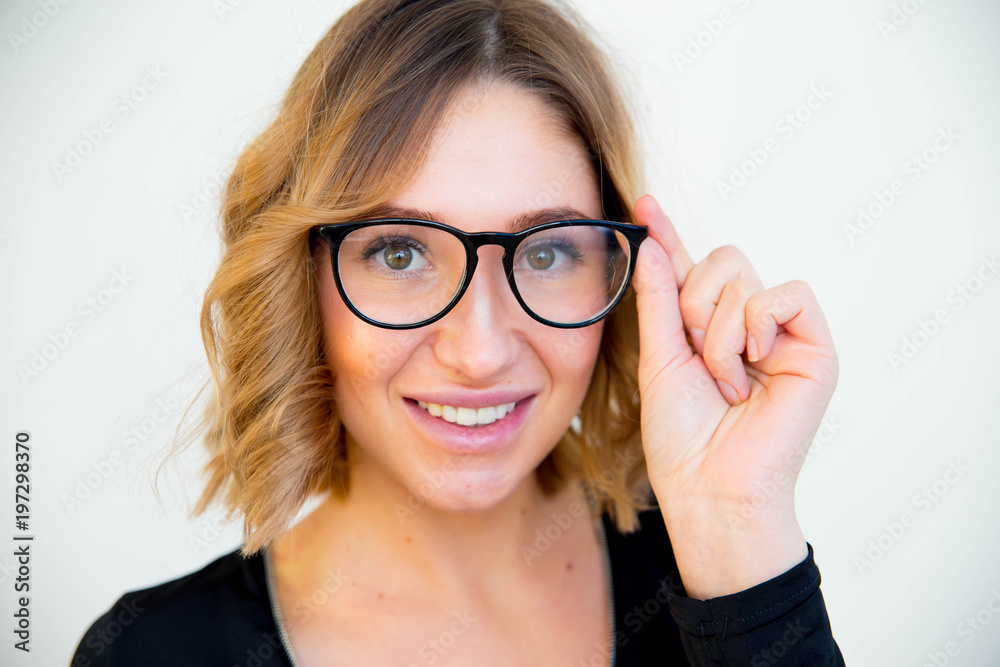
<point x="518" y="223"/>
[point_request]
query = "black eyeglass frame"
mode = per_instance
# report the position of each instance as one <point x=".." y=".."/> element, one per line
<point x="335" y="233"/>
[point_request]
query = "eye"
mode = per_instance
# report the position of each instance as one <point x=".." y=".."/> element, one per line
<point x="397" y="257"/>
<point x="397" y="254"/>
<point x="541" y="257"/>
<point x="549" y="254"/>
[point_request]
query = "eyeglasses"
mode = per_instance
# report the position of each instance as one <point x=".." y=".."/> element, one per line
<point x="403" y="273"/>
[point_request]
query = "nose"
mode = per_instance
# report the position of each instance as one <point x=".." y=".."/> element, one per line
<point x="479" y="336"/>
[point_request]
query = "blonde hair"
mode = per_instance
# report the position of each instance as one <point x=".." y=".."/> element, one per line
<point x="350" y="134"/>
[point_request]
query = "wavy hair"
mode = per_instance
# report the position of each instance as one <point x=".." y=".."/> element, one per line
<point x="350" y="133"/>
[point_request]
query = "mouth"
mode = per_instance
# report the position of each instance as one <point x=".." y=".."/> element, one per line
<point x="474" y="417"/>
<point x="471" y="430"/>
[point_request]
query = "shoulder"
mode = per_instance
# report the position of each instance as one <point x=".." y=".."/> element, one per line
<point x="209" y="616"/>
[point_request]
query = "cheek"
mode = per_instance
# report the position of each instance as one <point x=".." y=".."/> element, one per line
<point x="350" y="351"/>
<point x="363" y="358"/>
<point x="572" y="355"/>
<point x="358" y="359"/>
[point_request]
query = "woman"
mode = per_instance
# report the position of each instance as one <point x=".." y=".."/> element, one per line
<point x="508" y="434"/>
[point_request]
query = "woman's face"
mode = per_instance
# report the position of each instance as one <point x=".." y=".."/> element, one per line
<point x="498" y="154"/>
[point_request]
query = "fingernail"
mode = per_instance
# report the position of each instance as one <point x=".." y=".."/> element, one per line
<point x="698" y="338"/>
<point x="751" y="348"/>
<point x="729" y="392"/>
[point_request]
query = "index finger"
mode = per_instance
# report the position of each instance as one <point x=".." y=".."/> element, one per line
<point x="648" y="212"/>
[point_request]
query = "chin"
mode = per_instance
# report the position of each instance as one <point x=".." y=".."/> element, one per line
<point x="463" y="492"/>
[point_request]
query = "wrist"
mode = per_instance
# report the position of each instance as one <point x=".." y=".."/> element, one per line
<point x="720" y="550"/>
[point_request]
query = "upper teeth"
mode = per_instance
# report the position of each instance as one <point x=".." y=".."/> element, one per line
<point x="468" y="416"/>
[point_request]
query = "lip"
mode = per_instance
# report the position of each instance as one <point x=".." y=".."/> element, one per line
<point x="483" y="399"/>
<point x="471" y="439"/>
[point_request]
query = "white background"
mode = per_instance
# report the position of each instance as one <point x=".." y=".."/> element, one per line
<point x="142" y="203"/>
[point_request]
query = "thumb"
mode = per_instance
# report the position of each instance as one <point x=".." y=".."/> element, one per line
<point x="662" y="341"/>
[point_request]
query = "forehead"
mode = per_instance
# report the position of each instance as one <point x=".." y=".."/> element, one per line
<point x="499" y="155"/>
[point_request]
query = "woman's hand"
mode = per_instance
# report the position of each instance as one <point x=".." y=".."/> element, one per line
<point x="726" y="426"/>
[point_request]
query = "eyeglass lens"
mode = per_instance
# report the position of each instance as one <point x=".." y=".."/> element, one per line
<point x="402" y="274"/>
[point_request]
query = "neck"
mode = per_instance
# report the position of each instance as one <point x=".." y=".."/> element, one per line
<point x="384" y="535"/>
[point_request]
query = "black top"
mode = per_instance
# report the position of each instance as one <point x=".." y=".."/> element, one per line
<point x="221" y="616"/>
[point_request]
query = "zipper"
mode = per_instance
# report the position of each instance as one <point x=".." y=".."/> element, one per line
<point x="272" y="598"/>
<point x="611" y="591"/>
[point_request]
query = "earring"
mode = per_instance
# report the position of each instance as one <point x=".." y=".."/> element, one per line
<point x="576" y="424"/>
